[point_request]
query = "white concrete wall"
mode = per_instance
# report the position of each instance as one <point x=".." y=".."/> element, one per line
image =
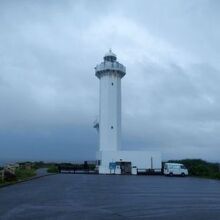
<point x="110" y="112"/>
<point x="140" y="159"/>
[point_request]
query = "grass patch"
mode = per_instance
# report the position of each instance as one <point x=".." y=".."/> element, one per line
<point x="22" y="173"/>
<point x="53" y="169"/>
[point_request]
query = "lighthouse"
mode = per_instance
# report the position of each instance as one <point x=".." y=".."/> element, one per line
<point x="111" y="158"/>
<point x="110" y="73"/>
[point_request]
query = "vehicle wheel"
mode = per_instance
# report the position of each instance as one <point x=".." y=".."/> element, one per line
<point x="182" y="174"/>
<point x="170" y="174"/>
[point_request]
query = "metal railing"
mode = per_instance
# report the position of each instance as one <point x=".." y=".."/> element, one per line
<point x="110" y="66"/>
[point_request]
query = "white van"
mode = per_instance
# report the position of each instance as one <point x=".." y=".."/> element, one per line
<point x="175" y="169"/>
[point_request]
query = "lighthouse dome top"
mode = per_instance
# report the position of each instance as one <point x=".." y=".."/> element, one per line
<point x="110" y="66"/>
<point x="109" y="56"/>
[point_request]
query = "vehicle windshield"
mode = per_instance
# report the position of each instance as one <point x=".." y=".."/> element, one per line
<point x="182" y="167"/>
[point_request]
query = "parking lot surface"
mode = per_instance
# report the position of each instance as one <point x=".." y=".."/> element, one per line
<point x="81" y="196"/>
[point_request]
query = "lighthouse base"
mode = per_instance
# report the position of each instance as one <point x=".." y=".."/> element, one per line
<point x="128" y="162"/>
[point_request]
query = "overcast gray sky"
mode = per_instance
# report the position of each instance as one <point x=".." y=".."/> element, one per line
<point x="49" y="93"/>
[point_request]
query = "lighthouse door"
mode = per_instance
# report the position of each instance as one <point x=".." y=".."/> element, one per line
<point x="125" y="167"/>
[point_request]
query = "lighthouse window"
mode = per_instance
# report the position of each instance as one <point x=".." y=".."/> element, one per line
<point x="112" y="84"/>
<point x="112" y="127"/>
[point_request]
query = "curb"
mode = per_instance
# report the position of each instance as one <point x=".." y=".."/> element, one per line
<point x="26" y="180"/>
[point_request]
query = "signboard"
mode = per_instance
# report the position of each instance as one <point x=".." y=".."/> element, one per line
<point x="112" y="165"/>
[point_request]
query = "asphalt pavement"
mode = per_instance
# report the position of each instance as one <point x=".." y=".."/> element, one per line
<point x="81" y="196"/>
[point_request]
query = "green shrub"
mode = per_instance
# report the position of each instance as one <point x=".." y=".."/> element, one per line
<point x="198" y="167"/>
<point x="22" y="173"/>
<point x="52" y="169"/>
<point x="217" y="176"/>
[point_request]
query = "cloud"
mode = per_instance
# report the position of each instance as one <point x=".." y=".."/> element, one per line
<point x="49" y="94"/>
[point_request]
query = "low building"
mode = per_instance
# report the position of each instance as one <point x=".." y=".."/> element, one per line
<point x="26" y="165"/>
<point x="128" y="162"/>
<point x="11" y="168"/>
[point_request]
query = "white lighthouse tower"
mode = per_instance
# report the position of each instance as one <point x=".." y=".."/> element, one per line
<point x="110" y="157"/>
<point x="110" y="73"/>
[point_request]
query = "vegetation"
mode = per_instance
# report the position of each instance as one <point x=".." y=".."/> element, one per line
<point x="22" y="173"/>
<point x="53" y="169"/>
<point x="201" y="168"/>
<point x="41" y="164"/>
